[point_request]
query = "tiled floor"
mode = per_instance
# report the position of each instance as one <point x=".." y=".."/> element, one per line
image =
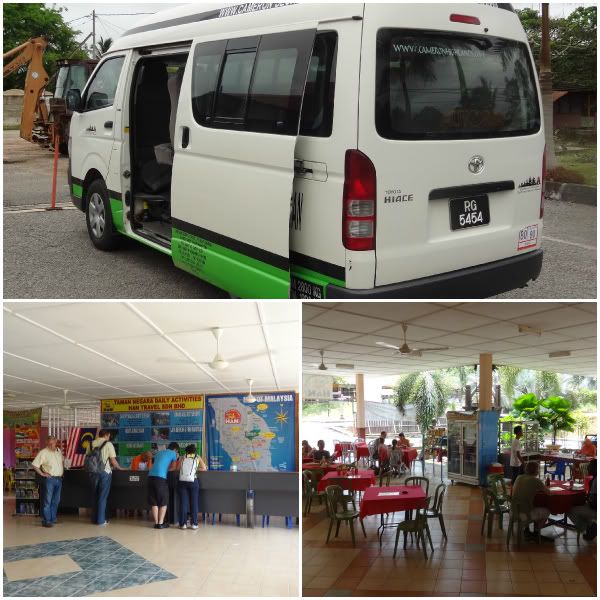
<point x="467" y="564"/>
<point x="214" y="560"/>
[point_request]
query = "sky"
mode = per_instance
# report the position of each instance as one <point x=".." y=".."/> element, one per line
<point x="111" y="24"/>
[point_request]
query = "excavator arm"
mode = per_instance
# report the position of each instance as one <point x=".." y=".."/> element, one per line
<point x="35" y="112"/>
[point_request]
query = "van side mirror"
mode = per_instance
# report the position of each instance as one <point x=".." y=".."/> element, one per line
<point x="74" y="100"/>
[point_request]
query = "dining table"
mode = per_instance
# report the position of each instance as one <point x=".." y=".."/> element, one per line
<point x="315" y="466"/>
<point x="409" y="455"/>
<point x="361" y="449"/>
<point x="560" y="499"/>
<point x="391" y="499"/>
<point x="358" y="482"/>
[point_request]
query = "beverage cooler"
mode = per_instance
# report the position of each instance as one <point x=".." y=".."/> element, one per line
<point x="472" y="445"/>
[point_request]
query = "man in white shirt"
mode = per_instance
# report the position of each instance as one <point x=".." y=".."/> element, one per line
<point x="102" y="481"/>
<point x="516" y="462"/>
<point x="49" y="464"/>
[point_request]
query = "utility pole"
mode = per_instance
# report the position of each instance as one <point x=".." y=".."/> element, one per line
<point x="94" y="51"/>
<point x="546" y="87"/>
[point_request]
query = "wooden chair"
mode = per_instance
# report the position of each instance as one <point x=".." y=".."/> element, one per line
<point x="418" y="526"/>
<point x="435" y="512"/>
<point x="492" y="507"/>
<point x="338" y="512"/>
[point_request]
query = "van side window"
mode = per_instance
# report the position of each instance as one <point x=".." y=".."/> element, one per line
<point x="233" y="89"/>
<point x="101" y="91"/>
<point x="278" y="84"/>
<point x="205" y="74"/>
<point x="317" y="107"/>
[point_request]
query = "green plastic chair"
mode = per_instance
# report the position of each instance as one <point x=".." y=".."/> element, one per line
<point x="515" y="517"/>
<point x="435" y="512"/>
<point x="496" y="483"/>
<point x="422" y="481"/>
<point x="492" y="507"/>
<point x="418" y="526"/>
<point x="339" y="513"/>
<point x="310" y="481"/>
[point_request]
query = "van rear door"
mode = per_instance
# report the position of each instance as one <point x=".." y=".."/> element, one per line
<point x="237" y="125"/>
<point x="450" y="118"/>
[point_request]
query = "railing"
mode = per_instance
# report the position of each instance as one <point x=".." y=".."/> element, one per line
<point x="376" y="426"/>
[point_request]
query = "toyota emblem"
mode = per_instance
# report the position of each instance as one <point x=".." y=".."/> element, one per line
<point x="476" y="164"/>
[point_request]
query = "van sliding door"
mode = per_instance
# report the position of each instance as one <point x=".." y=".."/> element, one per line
<point x="233" y="171"/>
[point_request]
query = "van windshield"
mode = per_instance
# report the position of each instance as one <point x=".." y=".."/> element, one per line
<point x="433" y="85"/>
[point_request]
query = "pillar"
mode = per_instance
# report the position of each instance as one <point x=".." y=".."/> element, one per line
<point x="485" y="381"/>
<point x="360" y="406"/>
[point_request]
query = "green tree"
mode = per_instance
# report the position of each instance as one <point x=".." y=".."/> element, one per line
<point x="573" y="45"/>
<point x="428" y="392"/>
<point x="24" y="21"/>
<point x="558" y="415"/>
<point x="103" y="45"/>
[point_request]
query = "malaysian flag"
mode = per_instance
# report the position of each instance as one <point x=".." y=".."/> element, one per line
<point x="80" y="438"/>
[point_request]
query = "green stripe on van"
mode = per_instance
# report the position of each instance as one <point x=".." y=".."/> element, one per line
<point x="116" y="208"/>
<point x="237" y="273"/>
<point x="77" y="190"/>
<point x="316" y="278"/>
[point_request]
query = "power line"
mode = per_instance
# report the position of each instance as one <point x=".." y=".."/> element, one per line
<point x="123" y="14"/>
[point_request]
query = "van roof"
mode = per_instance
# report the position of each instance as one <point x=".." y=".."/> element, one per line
<point x="183" y="23"/>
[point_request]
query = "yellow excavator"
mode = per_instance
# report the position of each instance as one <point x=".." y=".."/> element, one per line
<point x="38" y="122"/>
<point x="34" y="117"/>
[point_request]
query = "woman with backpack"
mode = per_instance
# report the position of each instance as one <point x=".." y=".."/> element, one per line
<point x="188" y="486"/>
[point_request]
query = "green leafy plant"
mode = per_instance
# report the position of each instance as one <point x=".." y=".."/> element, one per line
<point x="558" y="415"/>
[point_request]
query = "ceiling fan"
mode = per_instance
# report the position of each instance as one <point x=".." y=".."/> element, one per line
<point x="405" y="349"/>
<point x="218" y="362"/>
<point x="324" y="367"/>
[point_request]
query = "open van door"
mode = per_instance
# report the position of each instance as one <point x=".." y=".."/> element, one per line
<point x="233" y="171"/>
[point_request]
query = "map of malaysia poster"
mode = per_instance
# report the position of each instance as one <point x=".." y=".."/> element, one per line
<point x="257" y="436"/>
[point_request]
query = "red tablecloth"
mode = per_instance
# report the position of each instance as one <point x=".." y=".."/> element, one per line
<point x="587" y="482"/>
<point x="408" y="456"/>
<point x="318" y="467"/>
<point x="560" y="501"/>
<point x="359" y="483"/>
<point x="375" y="504"/>
<point x="362" y="450"/>
<point x="306" y="459"/>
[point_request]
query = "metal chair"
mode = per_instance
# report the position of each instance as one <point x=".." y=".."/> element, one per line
<point x="419" y="526"/>
<point x="436" y="510"/>
<point x="338" y="512"/>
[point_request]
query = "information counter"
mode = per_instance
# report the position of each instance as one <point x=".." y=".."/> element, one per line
<point x="221" y="492"/>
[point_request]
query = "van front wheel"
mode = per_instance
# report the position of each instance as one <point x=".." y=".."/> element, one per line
<point x="99" y="217"/>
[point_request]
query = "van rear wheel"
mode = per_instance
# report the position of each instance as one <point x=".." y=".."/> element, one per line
<point x="99" y="217"/>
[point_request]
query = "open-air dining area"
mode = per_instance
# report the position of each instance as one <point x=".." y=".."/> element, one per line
<point x="450" y="449"/>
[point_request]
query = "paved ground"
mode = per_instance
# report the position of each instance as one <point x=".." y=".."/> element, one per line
<point x="49" y="255"/>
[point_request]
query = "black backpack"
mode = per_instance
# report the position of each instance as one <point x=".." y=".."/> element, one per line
<point x="93" y="462"/>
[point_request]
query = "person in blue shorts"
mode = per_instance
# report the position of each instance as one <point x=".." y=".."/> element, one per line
<point x="158" y="489"/>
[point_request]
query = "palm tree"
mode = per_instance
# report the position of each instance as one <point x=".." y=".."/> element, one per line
<point x="428" y="392"/>
<point x="102" y="45"/>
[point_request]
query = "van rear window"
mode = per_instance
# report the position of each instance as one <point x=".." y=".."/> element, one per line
<point x="433" y="85"/>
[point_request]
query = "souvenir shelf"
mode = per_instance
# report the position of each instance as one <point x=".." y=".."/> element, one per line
<point x="27" y="493"/>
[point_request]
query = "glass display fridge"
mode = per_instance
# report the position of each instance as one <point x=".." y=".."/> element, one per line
<point x="472" y="445"/>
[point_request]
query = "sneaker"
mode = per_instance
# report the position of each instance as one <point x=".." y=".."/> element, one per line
<point x="194" y="526"/>
<point x="164" y="525"/>
<point x="47" y="525"/>
<point x="103" y="524"/>
<point x="157" y="526"/>
<point x="184" y="526"/>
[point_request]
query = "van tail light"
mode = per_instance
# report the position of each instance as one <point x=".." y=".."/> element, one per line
<point x="359" y="202"/>
<point x="543" y="180"/>
<point x="465" y="19"/>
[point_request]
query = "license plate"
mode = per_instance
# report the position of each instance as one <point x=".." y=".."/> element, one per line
<point x="305" y="290"/>
<point x="528" y="237"/>
<point x="469" y="212"/>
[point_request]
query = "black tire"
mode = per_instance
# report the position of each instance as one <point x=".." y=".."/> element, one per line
<point x="98" y="217"/>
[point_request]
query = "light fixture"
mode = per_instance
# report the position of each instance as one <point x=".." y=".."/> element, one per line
<point x="531" y="330"/>
<point x="344" y="366"/>
<point x="249" y="399"/>
<point x="559" y="354"/>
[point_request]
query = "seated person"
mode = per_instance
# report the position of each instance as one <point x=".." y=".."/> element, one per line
<point x="379" y="440"/>
<point x="383" y="455"/>
<point x="142" y="462"/>
<point x="403" y="441"/>
<point x="306" y="448"/>
<point x="321" y="453"/>
<point x="588" y="448"/>
<point x="396" y="457"/>
<point x="584" y="517"/>
<point x="525" y="488"/>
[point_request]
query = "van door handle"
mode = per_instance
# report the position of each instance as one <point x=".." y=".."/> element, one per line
<point x="91" y="128"/>
<point x="300" y="169"/>
<point x="185" y="137"/>
<point x="108" y="125"/>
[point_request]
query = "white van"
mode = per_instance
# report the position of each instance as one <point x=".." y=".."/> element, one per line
<point x="409" y="138"/>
